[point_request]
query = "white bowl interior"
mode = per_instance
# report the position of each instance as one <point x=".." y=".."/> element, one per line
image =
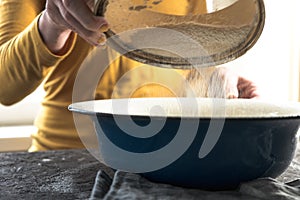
<point x="189" y="107"/>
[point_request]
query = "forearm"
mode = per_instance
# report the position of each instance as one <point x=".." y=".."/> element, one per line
<point x="22" y="59"/>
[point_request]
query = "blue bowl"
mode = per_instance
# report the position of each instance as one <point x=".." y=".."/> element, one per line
<point x="212" y="144"/>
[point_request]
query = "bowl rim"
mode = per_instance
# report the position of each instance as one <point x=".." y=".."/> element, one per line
<point x="87" y="108"/>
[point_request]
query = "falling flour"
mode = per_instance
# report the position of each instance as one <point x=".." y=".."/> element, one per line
<point x="213" y="83"/>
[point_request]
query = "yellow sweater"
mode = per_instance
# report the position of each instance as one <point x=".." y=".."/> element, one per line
<point x="25" y="62"/>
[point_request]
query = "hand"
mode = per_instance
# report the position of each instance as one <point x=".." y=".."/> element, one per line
<point x="61" y="17"/>
<point x="247" y="89"/>
<point x="224" y="83"/>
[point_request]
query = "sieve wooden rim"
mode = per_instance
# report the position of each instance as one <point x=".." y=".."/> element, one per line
<point x="179" y="62"/>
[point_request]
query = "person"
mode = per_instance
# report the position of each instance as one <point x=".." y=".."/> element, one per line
<point x="45" y="42"/>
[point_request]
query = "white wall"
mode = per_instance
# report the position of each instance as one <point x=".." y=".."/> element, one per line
<point x="22" y="113"/>
<point x="273" y="63"/>
<point x="16" y="123"/>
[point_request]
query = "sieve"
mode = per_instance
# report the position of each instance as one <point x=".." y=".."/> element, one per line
<point x="182" y="33"/>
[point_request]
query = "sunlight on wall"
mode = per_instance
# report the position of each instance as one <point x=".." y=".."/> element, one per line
<point x="23" y="112"/>
<point x="273" y="63"/>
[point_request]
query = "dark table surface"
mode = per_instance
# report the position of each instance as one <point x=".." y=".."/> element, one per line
<point x="65" y="174"/>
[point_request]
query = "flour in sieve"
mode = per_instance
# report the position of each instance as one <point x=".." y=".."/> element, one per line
<point x="214" y="39"/>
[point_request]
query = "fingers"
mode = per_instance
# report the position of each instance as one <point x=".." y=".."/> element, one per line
<point x="79" y="11"/>
<point x="84" y="28"/>
<point x="77" y="16"/>
<point x="223" y="84"/>
<point x="231" y="86"/>
<point x="227" y="84"/>
<point x="247" y="89"/>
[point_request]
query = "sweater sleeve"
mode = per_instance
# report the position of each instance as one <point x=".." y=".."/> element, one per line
<point x="23" y="55"/>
